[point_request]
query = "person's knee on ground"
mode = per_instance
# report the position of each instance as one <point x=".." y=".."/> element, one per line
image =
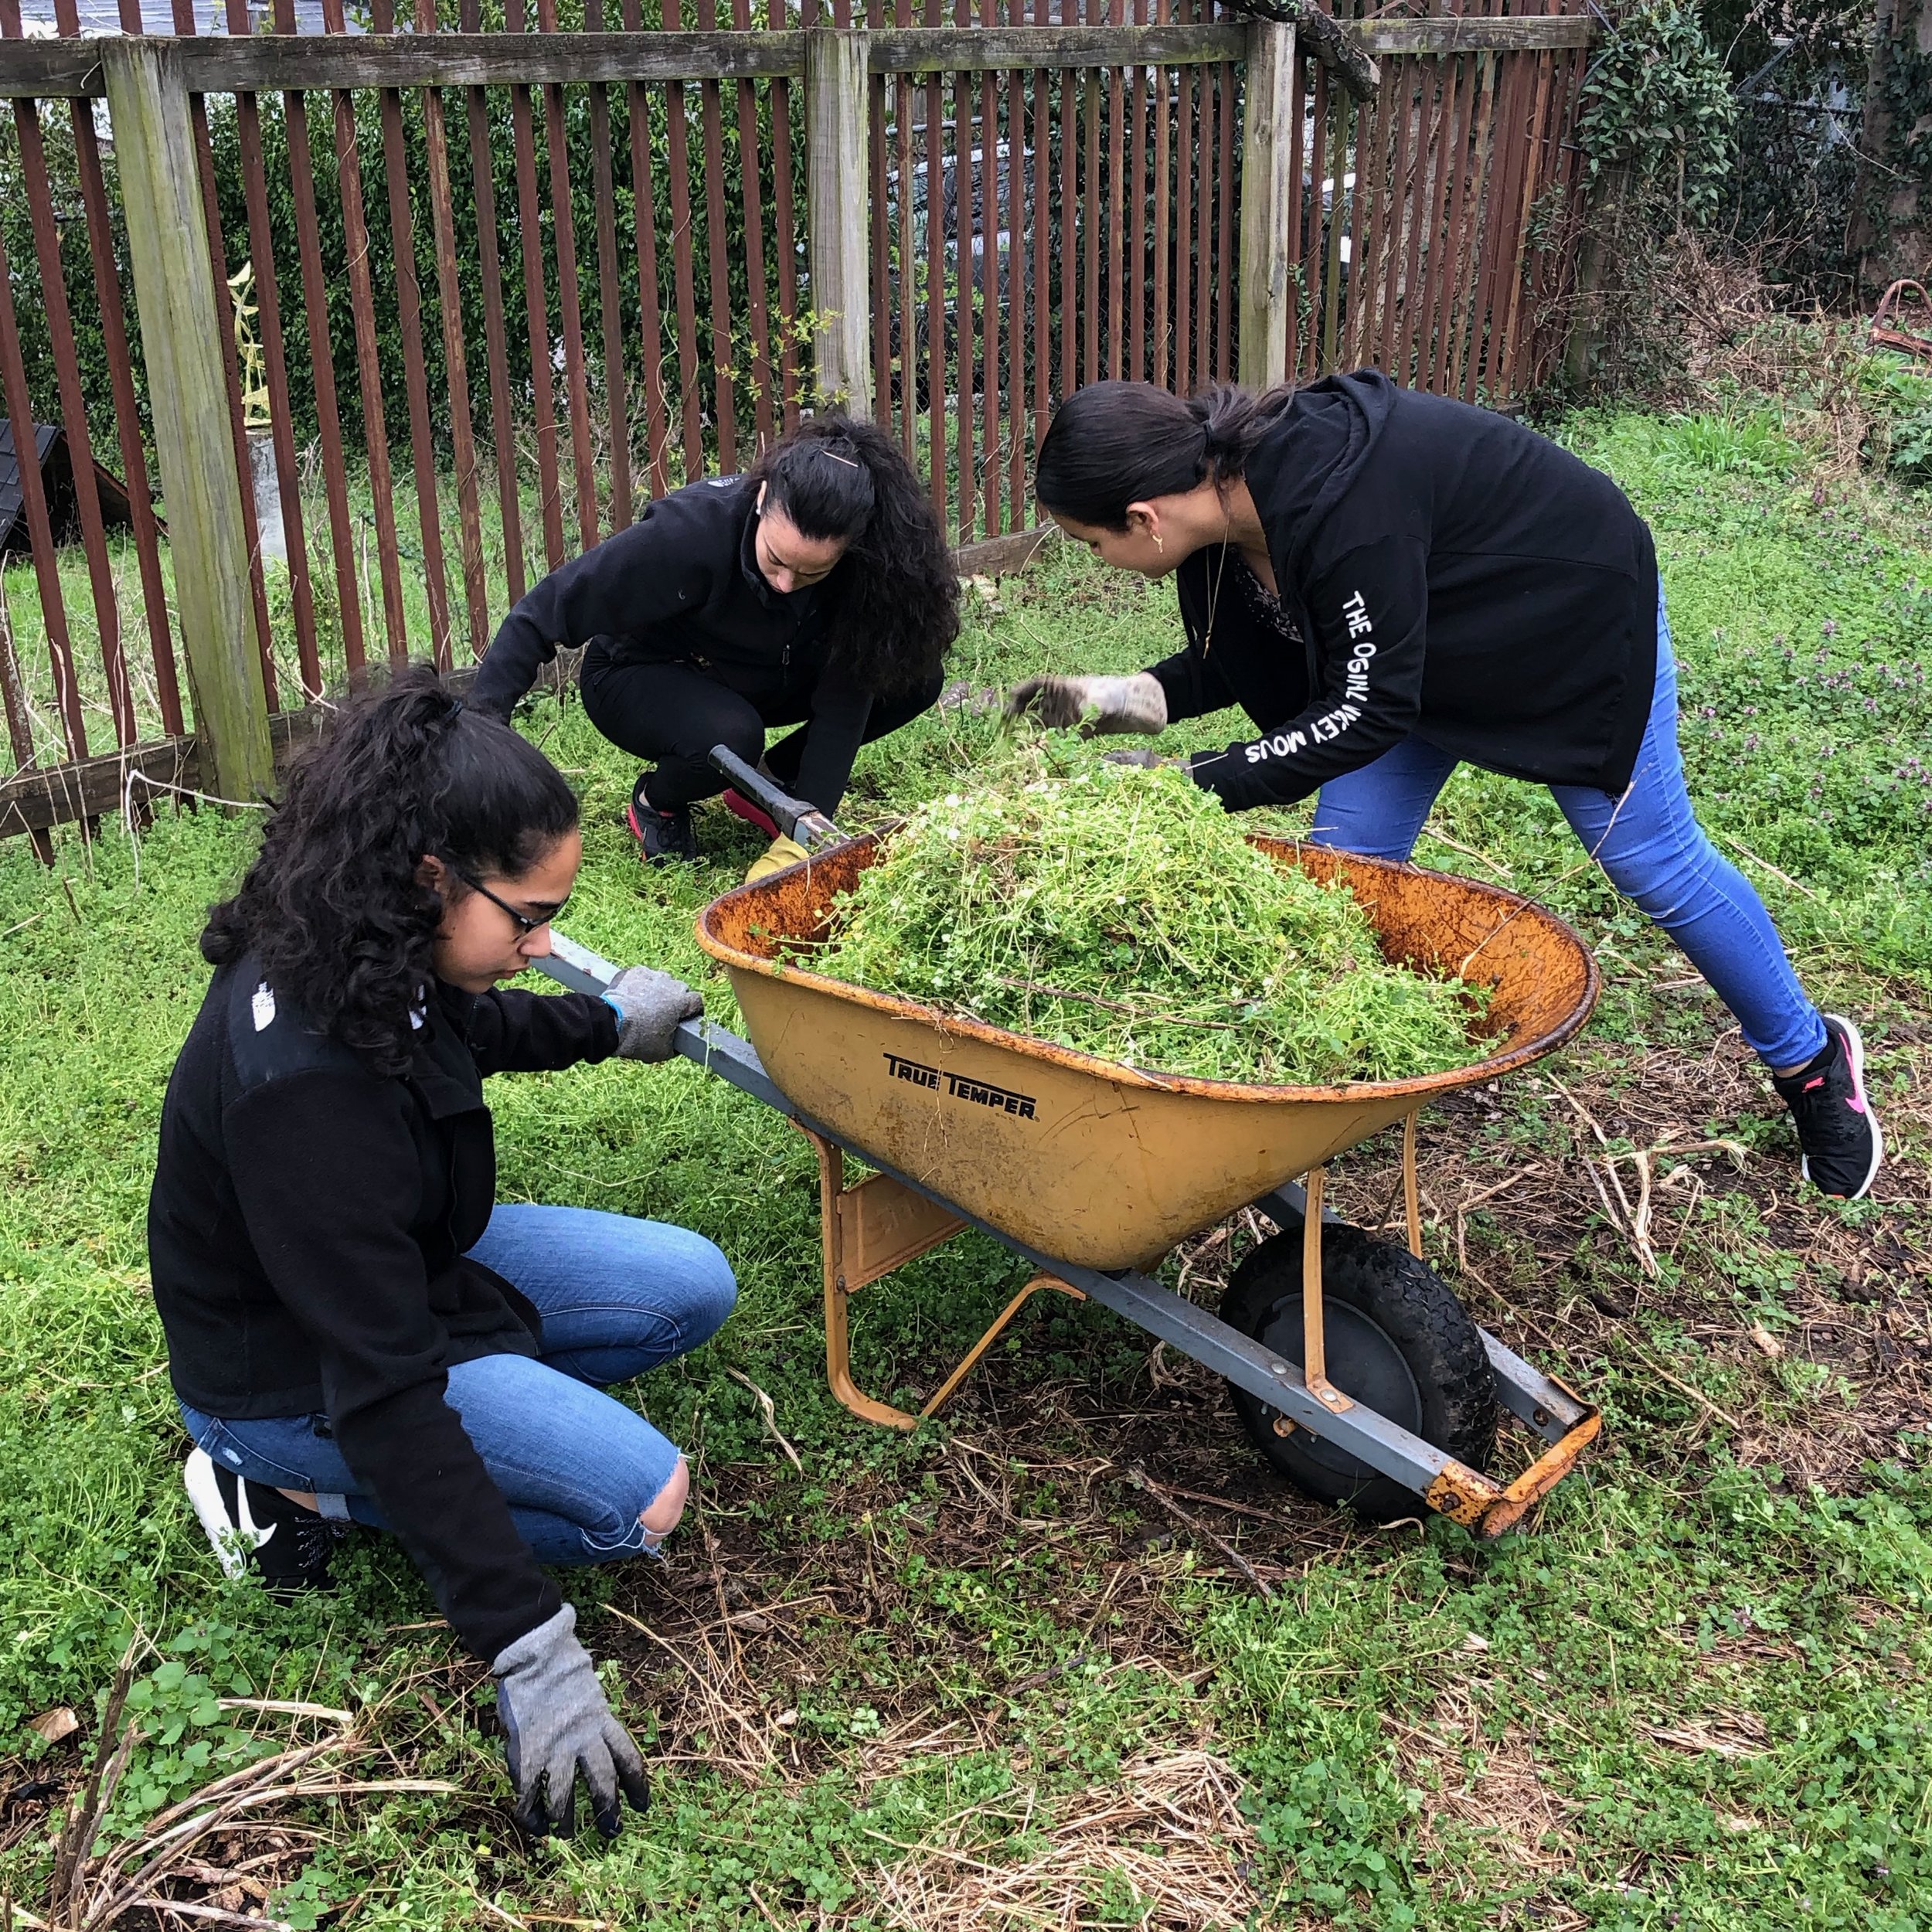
<point x="662" y="1515"/>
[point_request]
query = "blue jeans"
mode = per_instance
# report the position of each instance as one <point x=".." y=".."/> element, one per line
<point x="1649" y="843"/>
<point x="578" y="1468"/>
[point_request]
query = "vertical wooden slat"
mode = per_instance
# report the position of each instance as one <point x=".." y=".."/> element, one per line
<point x="1427" y="313"/>
<point x="936" y="379"/>
<point x="1161" y="320"/>
<point x="908" y="250"/>
<point x="576" y="384"/>
<point x="1069" y="181"/>
<point x="1226" y="249"/>
<point x="184" y="13"/>
<point x="617" y="391"/>
<point x="322" y="363"/>
<point x="878" y="88"/>
<point x="991" y="229"/>
<point x="1399" y="213"/>
<point x="368" y="370"/>
<point x="495" y="334"/>
<point x="1017" y="227"/>
<point x="1553" y="264"/>
<point x="723" y="355"/>
<point x="1472" y="158"/>
<point x="261" y="249"/>
<point x="1114" y="80"/>
<point x="1136" y="235"/>
<point x="644" y="207"/>
<point x="1465" y="194"/>
<point x="73" y="407"/>
<point x="114" y="327"/>
<point x="1313" y="254"/>
<point x="537" y="307"/>
<point x="1372" y="177"/>
<point x="409" y="310"/>
<point x="456" y="373"/>
<point x="46" y="569"/>
<point x="1186" y="163"/>
<point x="1206" y="146"/>
<point x="966" y="278"/>
<point x="1294" y="135"/>
<point x="677" y="148"/>
<point x="1493" y="178"/>
<point x="786" y="220"/>
<point x="758" y="300"/>
<point x="1089" y="216"/>
<point x="1432" y="156"/>
<point x="1507" y="356"/>
<point x="1340" y="104"/>
<point x="1043" y="230"/>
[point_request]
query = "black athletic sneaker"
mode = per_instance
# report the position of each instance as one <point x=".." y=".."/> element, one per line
<point x="1836" y="1127"/>
<point x="663" y="837"/>
<point x="253" y="1527"/>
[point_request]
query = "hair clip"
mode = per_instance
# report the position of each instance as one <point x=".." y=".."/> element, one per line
<point x="849" y="462"/>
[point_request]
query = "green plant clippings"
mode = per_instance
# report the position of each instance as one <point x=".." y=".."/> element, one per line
<point x="1123" y="913"/>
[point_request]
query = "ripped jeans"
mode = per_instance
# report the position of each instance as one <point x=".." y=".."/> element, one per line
<point x="578" y="1467"/>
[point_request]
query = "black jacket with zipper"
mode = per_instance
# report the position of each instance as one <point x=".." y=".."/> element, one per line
<point x="681" y="585"/>
<point x="1450" y="574"/>
<point x="308" y="1231"/>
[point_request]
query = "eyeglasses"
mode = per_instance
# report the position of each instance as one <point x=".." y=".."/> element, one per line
<point x="524" y="923"/>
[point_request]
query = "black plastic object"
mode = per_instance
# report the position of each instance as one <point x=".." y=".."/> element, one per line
<point x="1397" y="1341"/>
<point x="794" y="817"/>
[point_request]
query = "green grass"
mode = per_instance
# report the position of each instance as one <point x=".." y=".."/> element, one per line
<point x="1694" y="1695"/>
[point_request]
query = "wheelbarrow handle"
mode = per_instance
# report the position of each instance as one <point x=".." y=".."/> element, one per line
<point x="794" y="817"/>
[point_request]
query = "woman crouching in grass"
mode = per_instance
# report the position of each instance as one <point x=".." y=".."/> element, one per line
<point x="356" y="1330"/>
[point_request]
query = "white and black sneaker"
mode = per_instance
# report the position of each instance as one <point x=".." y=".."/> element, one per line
<point x="1836" y="1127"/>
<point x="253" y="1527"/>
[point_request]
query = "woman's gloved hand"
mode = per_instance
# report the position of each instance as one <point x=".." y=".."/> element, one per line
<point x="781" y="853"/>
<point x="1101" y="706"/>
<point x="651" y="1006"/>
<point x="557" y="1727"/>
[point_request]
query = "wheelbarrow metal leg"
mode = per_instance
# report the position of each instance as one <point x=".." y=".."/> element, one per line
<point x="1315" y="1358"/>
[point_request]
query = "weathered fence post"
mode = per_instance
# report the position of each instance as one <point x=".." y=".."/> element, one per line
<point x="181" y="342"/>
<point x="838" y="215"/>
<point x="1268" y="135"/>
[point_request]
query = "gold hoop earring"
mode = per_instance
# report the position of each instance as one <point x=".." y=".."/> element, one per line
<point x="1158" y="544"/>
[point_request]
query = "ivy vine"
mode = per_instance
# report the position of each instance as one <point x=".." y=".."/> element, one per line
<point x="1657" y="108"/>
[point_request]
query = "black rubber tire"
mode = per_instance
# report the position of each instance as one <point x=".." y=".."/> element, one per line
<point x="1396" y="1339"/>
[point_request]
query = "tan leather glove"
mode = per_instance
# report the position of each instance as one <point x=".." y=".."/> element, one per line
<point x="776" y="857"/>
<point x="1099" y="706"/>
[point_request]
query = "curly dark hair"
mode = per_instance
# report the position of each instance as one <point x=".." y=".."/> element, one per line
<point x="332" y="907"/>
<point x="895" y="599"/>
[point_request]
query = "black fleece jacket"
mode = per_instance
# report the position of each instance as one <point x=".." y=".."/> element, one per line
<point x="307" y="1235"/>
<point x="680" y="585"/>
<point x="1450" y="574"/>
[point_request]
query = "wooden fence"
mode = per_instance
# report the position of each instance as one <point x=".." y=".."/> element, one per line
<point x="947" y="224"/>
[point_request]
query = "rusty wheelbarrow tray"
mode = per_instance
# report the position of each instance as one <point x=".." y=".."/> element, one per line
<point x="1091" y="1171"/>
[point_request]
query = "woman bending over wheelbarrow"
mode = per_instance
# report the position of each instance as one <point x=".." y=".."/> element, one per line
<point x="1389" y="582"/>
<point x="817" y="591"/>
<point x="357" y="1333"/>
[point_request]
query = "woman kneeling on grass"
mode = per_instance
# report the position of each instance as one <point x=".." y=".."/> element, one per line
<point x="1389" y="582"/>
<point x="817" y="591"/>
<point x="356" y="1331"/>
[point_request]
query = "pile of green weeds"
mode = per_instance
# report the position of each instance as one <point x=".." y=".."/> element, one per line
<point x="1123" y="913"/>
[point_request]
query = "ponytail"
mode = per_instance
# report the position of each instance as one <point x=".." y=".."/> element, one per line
<point x="1113" y="444"/>
<point x="332" y="907"/>
<point x="895" y="600"/>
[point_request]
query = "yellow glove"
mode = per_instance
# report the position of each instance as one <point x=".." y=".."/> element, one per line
<point x="776" y="857"/>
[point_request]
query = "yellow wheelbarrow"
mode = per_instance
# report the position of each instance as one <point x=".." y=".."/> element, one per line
<point x="1355" y="1370"/>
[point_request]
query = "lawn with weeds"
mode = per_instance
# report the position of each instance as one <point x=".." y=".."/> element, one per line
<point x="1002" y="1672"/>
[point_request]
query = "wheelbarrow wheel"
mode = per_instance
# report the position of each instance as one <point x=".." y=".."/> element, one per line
<point x="1396" y="1340"/>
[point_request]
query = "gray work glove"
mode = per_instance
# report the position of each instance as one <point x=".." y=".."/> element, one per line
<point x="558" y="1726"/>
<point x="650" y="1006"/>
<point x="1101" y="706"/>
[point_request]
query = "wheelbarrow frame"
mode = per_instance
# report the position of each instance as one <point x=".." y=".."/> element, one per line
<point x="889" y="1218"/>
